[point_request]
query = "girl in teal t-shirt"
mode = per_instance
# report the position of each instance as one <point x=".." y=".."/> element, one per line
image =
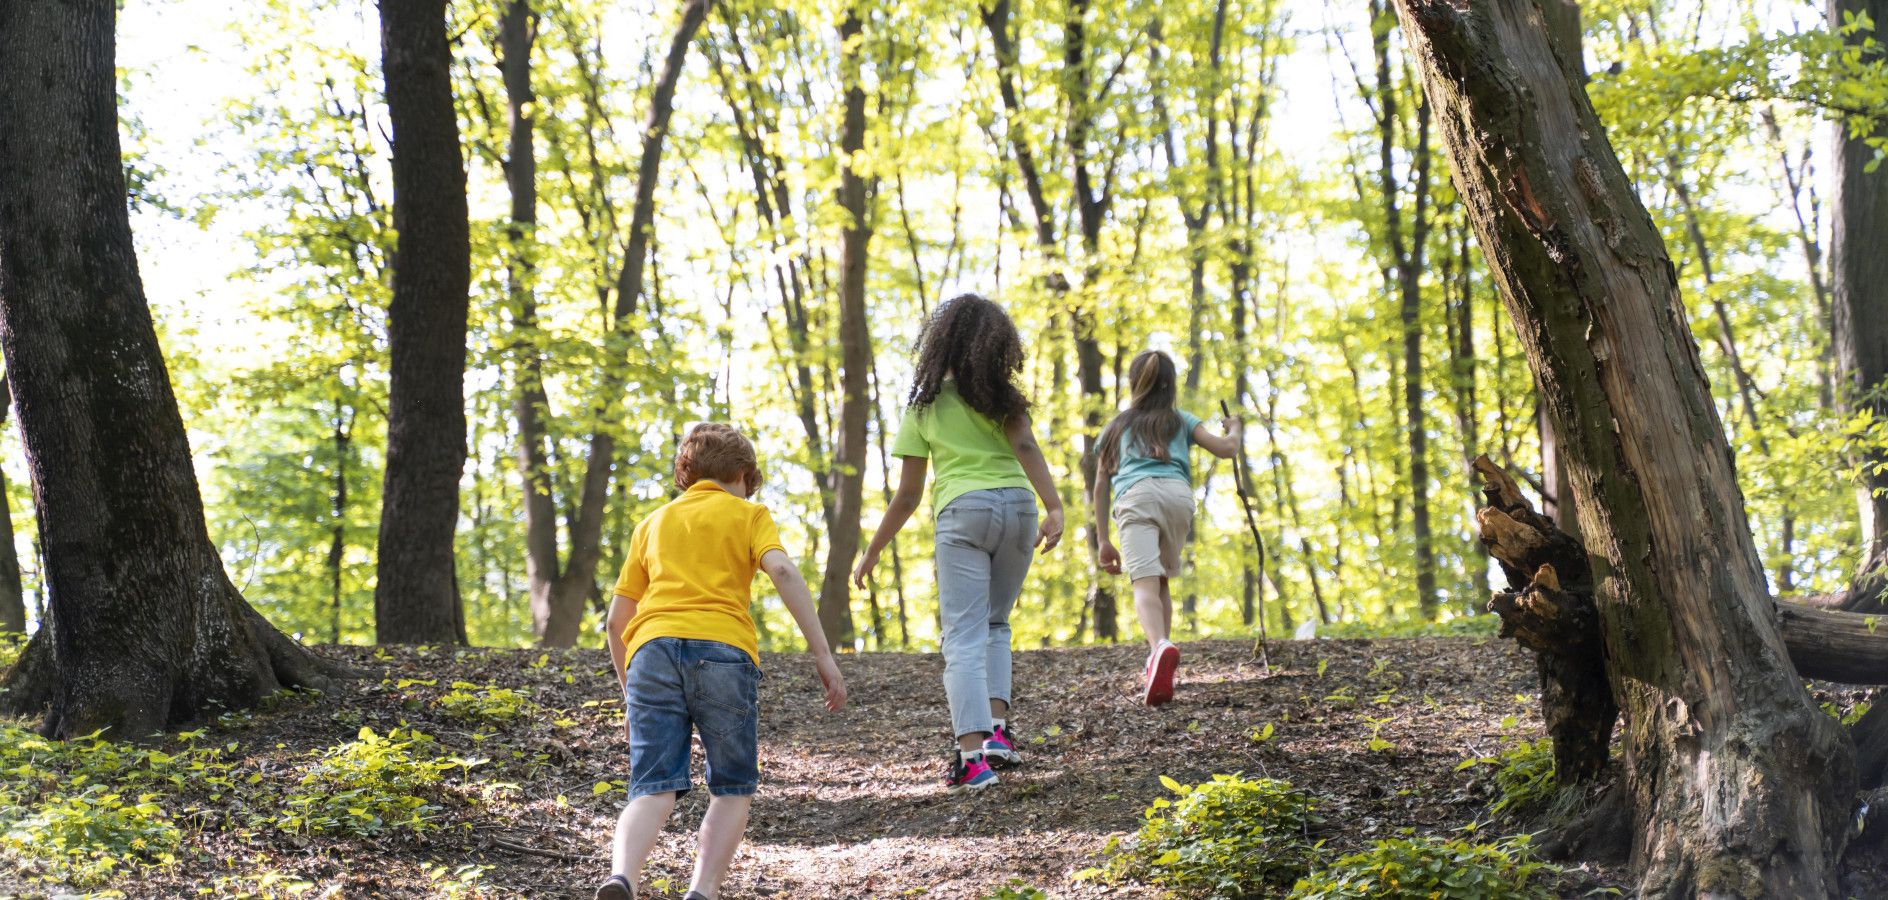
<point x="1142" y="472"/>
<point x="967" y="417"/>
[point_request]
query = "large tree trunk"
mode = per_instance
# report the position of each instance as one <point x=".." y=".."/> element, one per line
<point x="12" y="593"/>
<point x="855" y="347"/>
<point x="144" y="629"/>
<point x="416" y="593"/>
<point x="1858" y="272"/>
<point x="1736" y="785"/>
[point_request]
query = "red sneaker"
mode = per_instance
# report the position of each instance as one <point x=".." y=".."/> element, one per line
<point x="1160" y="668"/>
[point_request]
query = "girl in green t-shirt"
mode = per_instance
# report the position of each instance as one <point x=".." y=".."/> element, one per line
<point x="966" y="415"/>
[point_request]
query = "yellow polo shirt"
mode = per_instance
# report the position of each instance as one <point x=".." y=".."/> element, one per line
<point x="690" y="567"/>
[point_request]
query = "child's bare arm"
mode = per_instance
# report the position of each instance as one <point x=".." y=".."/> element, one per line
<point x="1221" y="446"/>
<point x="1109" y="557"/>
<point x="622" y="609"/>
<point x="1023" y="444"/>
<point x="799" y="600"/>
<point x="903" y="503"/>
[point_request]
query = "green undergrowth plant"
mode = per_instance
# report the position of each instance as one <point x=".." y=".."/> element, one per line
<point x="84" y="838"/>
<point x="1017" y="889"/>
<point x="372" y="784"/>
<point x="266" y="884"/>
<point x="1525" y="786"/>
<point x="12" y="644"/>
<point x="1524" y="778"/>
<point x="488" y="703"/>
<point x="86" y="810"/>
<point x="1230" y="837"/>
<point x="1427" y="868"/>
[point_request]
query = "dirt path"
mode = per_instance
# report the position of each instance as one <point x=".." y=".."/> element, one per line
<point x="852" y="804"/>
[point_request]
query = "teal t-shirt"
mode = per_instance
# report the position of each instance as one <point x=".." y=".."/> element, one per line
<point x="968" y="449"/>
<point x="1137" y="465"/>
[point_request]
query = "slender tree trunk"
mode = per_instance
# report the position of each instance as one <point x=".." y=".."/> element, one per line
<point x="557" y="595"/>
<point x="416" y="594"/>
<point x="1735" y="784"/>
<point x="1858" y="283"/>
<point x="575" y="583"/>
<point x="12" y="593"/>
<point x="337" y="541"/>
<point x="144" y="629"/>
<point x="1092" y="210"/>
<point x="1407" y="254"/>
<point x="552" y="616"/>
<point x="1093" y="198"/>
<point x="855" y="346"/>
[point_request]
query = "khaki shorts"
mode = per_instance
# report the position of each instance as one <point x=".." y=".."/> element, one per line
<point x="1155" y="517"/>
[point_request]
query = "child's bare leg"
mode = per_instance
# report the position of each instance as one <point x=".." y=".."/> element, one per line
<point x="721" y="831"/>
<point x="1149" y="595"/>
<point x="999" y="709"/>
<point x="1166" y="606"/>
<point x="636" y="832"/>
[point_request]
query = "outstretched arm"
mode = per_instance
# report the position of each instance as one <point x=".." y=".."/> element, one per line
<point x="1221" y="446"/>
<point x="1023" y="444"/>
<point x="799" y="600"/>
<point x="903" y="503"/>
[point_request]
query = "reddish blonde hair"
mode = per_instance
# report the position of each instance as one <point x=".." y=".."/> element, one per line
<point x="717" y="451"/>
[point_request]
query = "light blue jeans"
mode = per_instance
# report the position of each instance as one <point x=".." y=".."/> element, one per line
<point x="985" y="542"/>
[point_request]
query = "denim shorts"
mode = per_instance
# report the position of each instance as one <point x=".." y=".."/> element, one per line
<point x="675" y="684"/>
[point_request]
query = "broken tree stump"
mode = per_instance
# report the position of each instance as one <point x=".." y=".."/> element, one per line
<point x="1549" y="609"/>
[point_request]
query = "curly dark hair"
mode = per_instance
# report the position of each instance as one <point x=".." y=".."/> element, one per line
<point x="973" y="340"/>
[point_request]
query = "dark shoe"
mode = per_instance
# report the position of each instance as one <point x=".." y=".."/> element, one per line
<point x="695" y="895"/>
<point x="616" y="888"/>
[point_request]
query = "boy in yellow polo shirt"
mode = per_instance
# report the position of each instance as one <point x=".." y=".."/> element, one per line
<point x="686" y="654"/>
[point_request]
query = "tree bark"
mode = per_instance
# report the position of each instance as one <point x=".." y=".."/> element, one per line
<point x="1858" y="282"/>
<point x="12" y="593"/>
<point x="855" y="345"/>
<point x="1737" y="785"/>
<point x="416" y="593"/>
<point x="143" y="629"/>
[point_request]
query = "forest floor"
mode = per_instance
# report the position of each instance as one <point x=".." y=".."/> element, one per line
<point x="852" y="804"/>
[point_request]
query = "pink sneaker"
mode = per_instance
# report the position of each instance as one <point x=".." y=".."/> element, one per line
<point x="1159" y="676"/>
<point x="999" y="749"/>
<point x="971" y="775"/>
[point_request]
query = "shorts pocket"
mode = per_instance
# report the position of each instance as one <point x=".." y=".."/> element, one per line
<point x="727" y="695"/>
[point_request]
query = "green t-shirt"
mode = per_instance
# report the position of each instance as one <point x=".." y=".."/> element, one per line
<point x="1137" y="465"/>
<point x="967" y="448"/>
